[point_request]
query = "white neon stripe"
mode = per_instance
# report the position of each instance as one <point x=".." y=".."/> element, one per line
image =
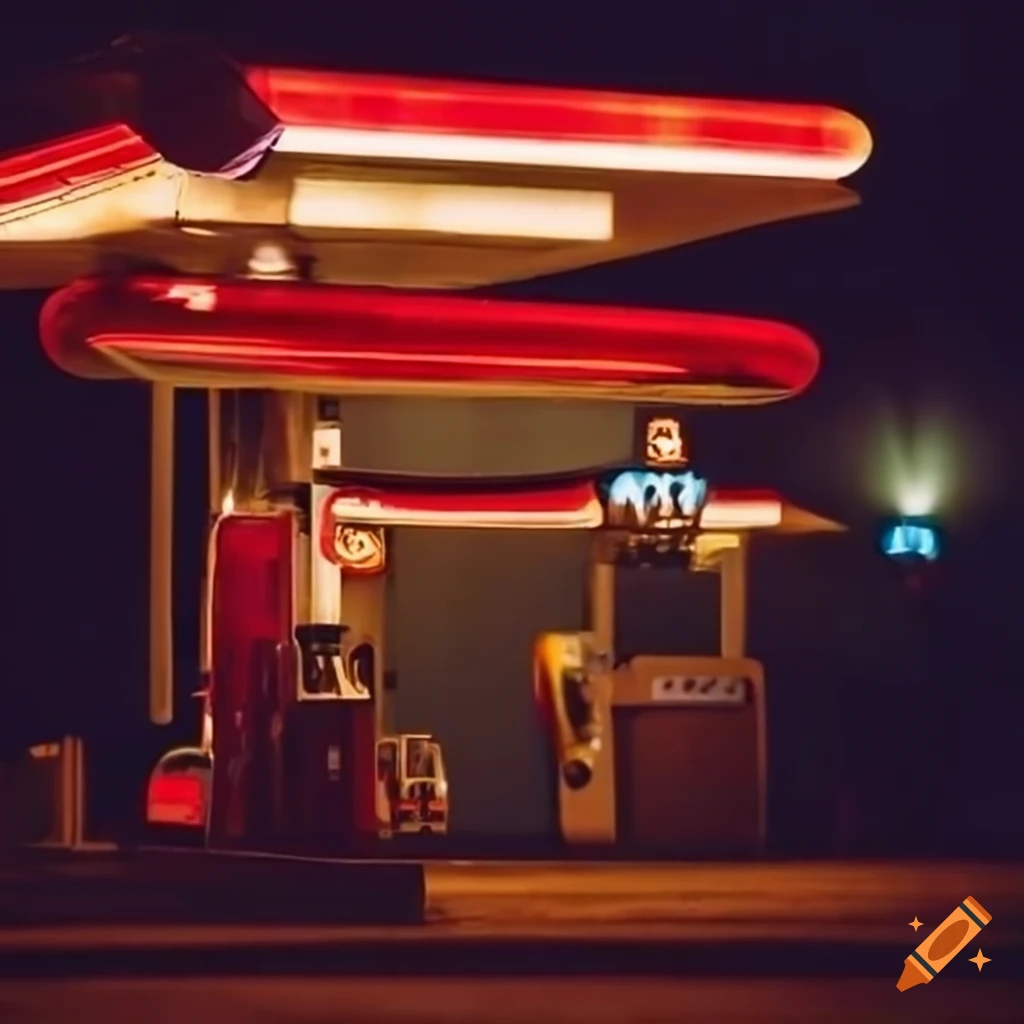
<point x="605" y="156"/>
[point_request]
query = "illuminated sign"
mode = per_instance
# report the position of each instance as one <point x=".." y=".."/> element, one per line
<point x="910" y="539"/>
<point x="649" y="500"/>
<point x="358" y="549"/>
<point x="664" y="444"/>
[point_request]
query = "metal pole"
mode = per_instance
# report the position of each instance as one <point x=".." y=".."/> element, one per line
<point x="161" y="542"/>
<point x="733" y="623"/>
<point x="213" y="458"/>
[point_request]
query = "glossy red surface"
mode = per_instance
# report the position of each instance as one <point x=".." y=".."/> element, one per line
<point x="559" y="501"/>
<point x="51" y="171"/>
<point x="325" y="99"/>
<point x="281" y="334"/>
<point x="251" y="613"/>
<point x="176" y="799"/>
<point x="571" y="505"/>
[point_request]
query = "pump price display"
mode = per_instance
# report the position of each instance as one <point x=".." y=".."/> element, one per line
<point x="700" y="689"/>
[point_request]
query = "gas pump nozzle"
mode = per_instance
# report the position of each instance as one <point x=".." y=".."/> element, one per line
<point x="327" y="670"/>
<point x="562" y="687"/>
<point x="321" y="666"/>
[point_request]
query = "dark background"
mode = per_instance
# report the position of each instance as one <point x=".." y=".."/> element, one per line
<point x="914" y="704"/>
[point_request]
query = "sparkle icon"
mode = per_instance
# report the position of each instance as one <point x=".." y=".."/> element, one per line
<point x="981" y="960"/>
<point x="915" y="924"/>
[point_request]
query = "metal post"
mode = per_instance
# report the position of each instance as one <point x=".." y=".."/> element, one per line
<point x="733" y="623"/>
<point x="71" y="793"/>
<point x="161" y="541"/>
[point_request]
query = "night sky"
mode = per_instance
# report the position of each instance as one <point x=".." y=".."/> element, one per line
<point x="915" y="704"/>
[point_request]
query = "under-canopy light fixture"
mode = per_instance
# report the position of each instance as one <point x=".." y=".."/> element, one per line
<point x="723" y="513"/>
<point x="390" y="118"/>
<point x="270" y="261"/>
<point x="452" y="209"/>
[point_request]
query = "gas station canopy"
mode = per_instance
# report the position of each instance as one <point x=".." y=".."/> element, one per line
<point x="292" y="336"/>
<point x="366" y="179"/>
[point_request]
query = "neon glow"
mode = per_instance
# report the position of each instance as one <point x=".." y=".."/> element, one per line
<point x="571" y="506"/>
<point x="176" y="799"/>
<point x="911" y="539"/>
<point x="554" y="503"/>
<point x="756" y="512"/>
<point x="380" y="117"/>
<point x="645" y="499"/>
<point x="452" y="209"/>
<point x="201" y="332"/>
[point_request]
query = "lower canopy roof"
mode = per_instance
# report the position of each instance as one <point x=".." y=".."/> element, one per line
<point x="558" y="501"/>
<point x="336" y="340"/>
<point x="166" y="153"/>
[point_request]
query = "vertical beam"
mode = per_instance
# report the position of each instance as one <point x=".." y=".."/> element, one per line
<point x="588" y="815"/>
<point x="733" y="618"/>
<point x="602" y="606"/>
<point x="161" y="542"/>
<point x="215" y="484"/>
<point x="215" y="500"/>
<point x="324" y="575"/>
<point x="71" y="793"/>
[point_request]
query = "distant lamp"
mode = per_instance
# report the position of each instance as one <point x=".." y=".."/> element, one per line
<point x="911" y="540"/>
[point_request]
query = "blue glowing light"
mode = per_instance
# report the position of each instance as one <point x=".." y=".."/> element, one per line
<point x="647" y="498"/>
<point x="910" y="539"/>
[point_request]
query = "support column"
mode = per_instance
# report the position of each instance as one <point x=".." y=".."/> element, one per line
<point x="602" y="606"/>
<point x="215" y="498"/>
<point x="733" y="615"/>
<point x="71" y="794"/>
<point x="161" y="544"/>
<point x="215" y="480"/>
<point x="587" y="815"/>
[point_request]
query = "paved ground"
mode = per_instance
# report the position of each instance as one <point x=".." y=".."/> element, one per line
<point x="533" y="942"/>
<point x="854" y="902"/>
<point x="976" y="1000"/>
<point x="851" y="901"/>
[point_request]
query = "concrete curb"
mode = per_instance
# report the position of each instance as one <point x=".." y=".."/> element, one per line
<point x="158" y="889"/>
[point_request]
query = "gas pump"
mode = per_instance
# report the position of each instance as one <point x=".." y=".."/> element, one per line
<point x="562" y="667"/>
<point x="287" y="752"/>
<point x="330" y="742"/>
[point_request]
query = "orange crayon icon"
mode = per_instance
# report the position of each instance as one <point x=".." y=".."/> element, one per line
<point x="943" y="944"/>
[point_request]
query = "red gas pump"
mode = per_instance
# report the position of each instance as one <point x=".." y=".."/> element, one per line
<point x="294" y="730"/>
<point x="250" y="617"/>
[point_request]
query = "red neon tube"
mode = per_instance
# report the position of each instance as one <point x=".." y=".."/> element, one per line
<point x="565" y="501"/>
<point x="50" y="171"/>
<point x="332" y="112"/>
<point x="333" y="339"/>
